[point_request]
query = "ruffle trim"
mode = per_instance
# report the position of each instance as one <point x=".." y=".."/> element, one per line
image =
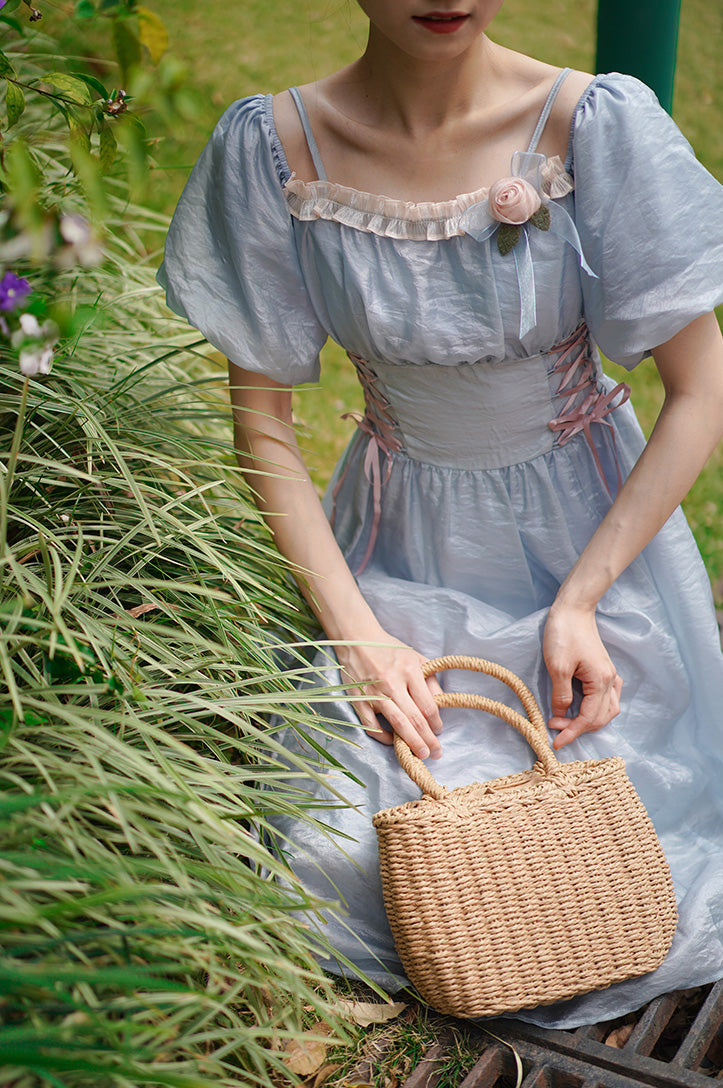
<point x="430" y="221"/>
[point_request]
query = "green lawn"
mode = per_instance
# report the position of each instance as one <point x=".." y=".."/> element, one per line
<point x="230" y="50"/>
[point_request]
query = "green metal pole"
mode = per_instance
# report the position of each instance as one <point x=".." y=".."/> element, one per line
<point x="640" y="38"/>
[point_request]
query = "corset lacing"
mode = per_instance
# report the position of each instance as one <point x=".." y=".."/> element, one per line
<point x="378" y="424"/>
<point x="586" y="402"/>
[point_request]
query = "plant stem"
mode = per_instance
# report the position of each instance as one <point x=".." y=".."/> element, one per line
<point x="7" y="483"/>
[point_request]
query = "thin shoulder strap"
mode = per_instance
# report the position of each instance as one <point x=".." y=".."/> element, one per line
<point x="547" y="109"/>
<point x="311" y="142"/>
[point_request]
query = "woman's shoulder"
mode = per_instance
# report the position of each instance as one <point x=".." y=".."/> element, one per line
<point x="316" y="96"/>
<point x="290" y="133"/>
<point x="617" y="113"/>
<point x="572" y="92"/>
<point x="244" y="141"/>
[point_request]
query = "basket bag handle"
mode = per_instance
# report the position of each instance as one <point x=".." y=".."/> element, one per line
<point x="532" y="727"/>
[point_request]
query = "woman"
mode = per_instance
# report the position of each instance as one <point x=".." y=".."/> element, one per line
<point x="481" y="508"/>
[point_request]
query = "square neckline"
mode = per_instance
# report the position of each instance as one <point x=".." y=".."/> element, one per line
<point x="414" y="209"/>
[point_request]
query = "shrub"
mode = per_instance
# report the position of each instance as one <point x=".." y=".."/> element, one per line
<point x="147" y="933"/>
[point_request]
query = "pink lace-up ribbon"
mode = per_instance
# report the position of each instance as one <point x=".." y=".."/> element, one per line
<point x="586" y="403"/>
<point x="378" y="425"/>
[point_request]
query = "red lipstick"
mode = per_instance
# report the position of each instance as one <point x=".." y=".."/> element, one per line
<point x="442" y="22"/>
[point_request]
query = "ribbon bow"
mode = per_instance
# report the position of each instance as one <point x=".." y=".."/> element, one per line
<point x="480" y="222"/>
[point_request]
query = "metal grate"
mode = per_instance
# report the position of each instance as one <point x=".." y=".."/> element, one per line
<point x="674" y="1042"/>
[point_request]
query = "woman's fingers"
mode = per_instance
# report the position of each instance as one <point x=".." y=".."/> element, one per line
<point x="406" y="719"/>
<point x="561" y="694"/>
<point x="401" y="694"/>
<point x="573" y="649"/>
<point x="372" y="726"/>
<point x="422" y="693"/>
<point x="597" y="709"/>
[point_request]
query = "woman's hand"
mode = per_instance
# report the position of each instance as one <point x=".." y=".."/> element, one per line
<point x="397" y="689"/>
<point x="688" y="427"/>
<point x="572" y="647"/>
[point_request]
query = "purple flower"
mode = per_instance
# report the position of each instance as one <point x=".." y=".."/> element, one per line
<point x="13" y="290"/>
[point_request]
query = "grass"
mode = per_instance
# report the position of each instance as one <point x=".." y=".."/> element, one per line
<point x="143" y="934"/>
<point x="148" y="933"/>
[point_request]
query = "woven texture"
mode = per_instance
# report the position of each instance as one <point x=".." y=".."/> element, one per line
<point x="524" y="890"/>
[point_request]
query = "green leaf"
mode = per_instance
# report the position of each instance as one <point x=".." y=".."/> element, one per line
<point x="15" y="103"/>
<point x="6" y="68"/>
<point x="508" y="236"/>
<point x="127" y="46"/>
<point x="153" y="33"/>
<point x="78" y="134"/>
<point x="17" y="27"/>
<point x="541" y="218"/>
<point x="24" y="181"/>
<point x="131" y="119"/>
<point x="84" y="9"/>
<point x="92" y="82"/>
<point x="107" y="149"/>
<point x="87" y="169"/>
<point x="7" y="720"/>
<point x="131" y="135"/>
<point x="73" y="89"/>
<point x="11" y="5"/>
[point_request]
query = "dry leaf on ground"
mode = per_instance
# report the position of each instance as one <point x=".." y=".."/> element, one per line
<point x="324" y="1073"/>
<point x="306" y="1054"/>
<point x="364" y="1013"/>
<point x="141" y="609"/>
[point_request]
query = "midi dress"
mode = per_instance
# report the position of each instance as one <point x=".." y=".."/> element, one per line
<point x="491" y="447"/>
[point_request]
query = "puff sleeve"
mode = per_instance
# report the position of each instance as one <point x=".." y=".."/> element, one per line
<point x="231" y="267"/>
<point x="650" y="219"/>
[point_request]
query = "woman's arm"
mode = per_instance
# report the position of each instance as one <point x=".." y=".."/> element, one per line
<point x="687" y="430"/>
<point x="267" y="448"/>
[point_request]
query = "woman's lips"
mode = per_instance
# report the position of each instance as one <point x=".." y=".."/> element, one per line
<point x="442" y="22"/>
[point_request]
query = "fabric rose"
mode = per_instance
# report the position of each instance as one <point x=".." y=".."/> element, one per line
<point x="513" y="200"/>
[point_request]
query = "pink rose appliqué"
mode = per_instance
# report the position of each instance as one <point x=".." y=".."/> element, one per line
<point x="513" y="201"/>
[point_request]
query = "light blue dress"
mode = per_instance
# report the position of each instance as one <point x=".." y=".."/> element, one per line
<point x="474" y="481"/>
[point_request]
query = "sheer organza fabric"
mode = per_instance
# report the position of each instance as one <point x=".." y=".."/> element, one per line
<point x="483" y="509"/>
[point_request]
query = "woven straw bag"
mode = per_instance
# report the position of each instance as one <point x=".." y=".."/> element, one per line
<point x="524" y="890"/>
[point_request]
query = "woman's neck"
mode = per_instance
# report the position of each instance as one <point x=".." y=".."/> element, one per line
<point x="419" y="96"/>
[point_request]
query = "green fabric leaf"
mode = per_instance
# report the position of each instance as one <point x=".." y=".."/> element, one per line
<point x="541" y="218"/>
<point x="508" y="236"/>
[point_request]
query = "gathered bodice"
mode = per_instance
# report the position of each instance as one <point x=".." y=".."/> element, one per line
<point x="268" y="267"/>
<point x="477" y="416"/>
